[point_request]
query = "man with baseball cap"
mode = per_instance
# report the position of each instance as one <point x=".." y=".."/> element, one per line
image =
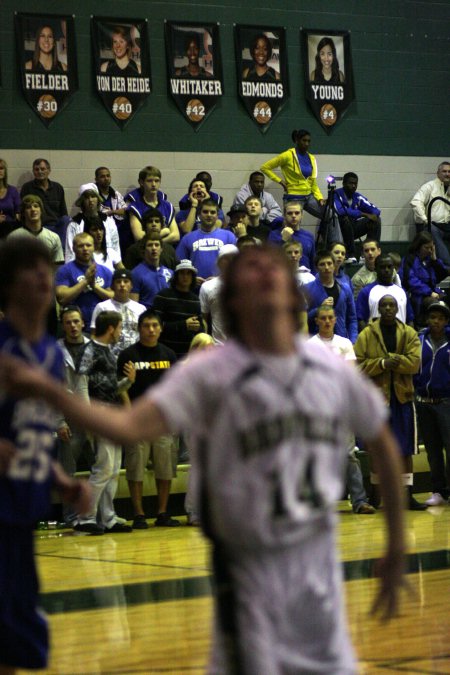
<point x="122" y="283"/>
<point x="433" y="399"/>
<point x="210" y="295"/>
<point x="178" y="307"/>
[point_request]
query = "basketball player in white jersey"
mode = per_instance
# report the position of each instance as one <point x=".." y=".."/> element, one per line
<point x="268" y="415"/>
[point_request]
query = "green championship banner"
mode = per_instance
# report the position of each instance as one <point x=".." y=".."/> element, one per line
<point x="328" y="74"/>
<point x="262" y="74"/>
<point x="47" y="62"/>
<point x="122" y="65"/>
<point x="194" y="68"/>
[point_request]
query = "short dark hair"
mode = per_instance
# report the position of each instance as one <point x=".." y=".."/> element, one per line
<point x="348" y="175"/>
<point x="39" y="160"/>
<point x="100" y="168"/>
<point x="149" y="314"/>
<point x="152" y="213"/>
<point x="370" y="241"/>
<point x="322" y="254"/>
<point x="254" y="174"/>
<point x="202" y="175"/>
<point x="106" y="319"/>
<point x="195" y="180"/>
<point x="209" y="202"/>
<point x="68" y="309"/>
<point x="15" y="256"/>
<point x="382" y="257"/>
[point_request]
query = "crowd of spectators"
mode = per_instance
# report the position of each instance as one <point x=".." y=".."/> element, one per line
<point x="147" y="275"/>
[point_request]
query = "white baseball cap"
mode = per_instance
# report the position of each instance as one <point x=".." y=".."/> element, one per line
<point x="227" y="249"/>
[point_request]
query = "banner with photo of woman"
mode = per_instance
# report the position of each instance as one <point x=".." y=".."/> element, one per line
<point x="328" y="71"/>
<point x="262" y="75"/>
<point x="122" y="65"/>
<point x="47" y="62"/>
<point x="194" y="68"/>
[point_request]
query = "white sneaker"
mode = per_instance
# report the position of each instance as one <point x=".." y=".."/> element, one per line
<point x="436" y="500"/>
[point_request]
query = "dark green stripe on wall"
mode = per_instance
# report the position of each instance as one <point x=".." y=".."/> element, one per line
<point x="400" y="69"/>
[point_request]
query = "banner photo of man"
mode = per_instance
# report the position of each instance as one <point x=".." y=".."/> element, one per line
<point x="328" y="74"/>
<point x="122" y="65"/>
<point x="47" y="62"/>
<point x="262" y="76"/>
<point x="194" y="68"/>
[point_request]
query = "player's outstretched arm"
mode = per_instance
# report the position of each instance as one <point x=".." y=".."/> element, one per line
<point x="390" y="568"/>
<point x="142" y="421"/>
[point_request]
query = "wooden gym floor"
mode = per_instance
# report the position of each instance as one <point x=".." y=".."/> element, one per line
<point x="141" y="602"/>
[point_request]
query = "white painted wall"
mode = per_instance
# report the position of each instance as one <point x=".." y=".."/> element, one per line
<point x="389" y="182"/>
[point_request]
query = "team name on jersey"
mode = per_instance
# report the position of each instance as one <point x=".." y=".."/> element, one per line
<point x="29" y="413"/>
<point x="151" y="365"/>
<point x="269" y="433"/>
<point x="48" y="82"/>
<point x="207" y="244"/>
<point x="262" y="89"/>
<point x="199" y="87"/>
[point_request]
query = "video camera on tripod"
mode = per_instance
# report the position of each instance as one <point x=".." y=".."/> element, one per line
<point x="329" y="230"/>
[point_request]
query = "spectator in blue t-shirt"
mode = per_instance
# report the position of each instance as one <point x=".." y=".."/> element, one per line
<point x="83" y="281"/>
<point x="202" y="246"/>
<point x="150" y="277"/>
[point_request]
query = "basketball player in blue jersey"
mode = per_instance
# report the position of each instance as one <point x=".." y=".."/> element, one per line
<point x="268" y="416"/>
<point x="27" y="469"/>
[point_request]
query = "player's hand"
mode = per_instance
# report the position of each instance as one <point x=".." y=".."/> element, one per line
<point x="390" y="570"/>
<point x="7" y="452"/>
<point x="371" y="216"/>
<point x="130" y="371"/>
<point x="329" y="301"/>
<point x="322" y="202"/>
<point x="64" y="433"/>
